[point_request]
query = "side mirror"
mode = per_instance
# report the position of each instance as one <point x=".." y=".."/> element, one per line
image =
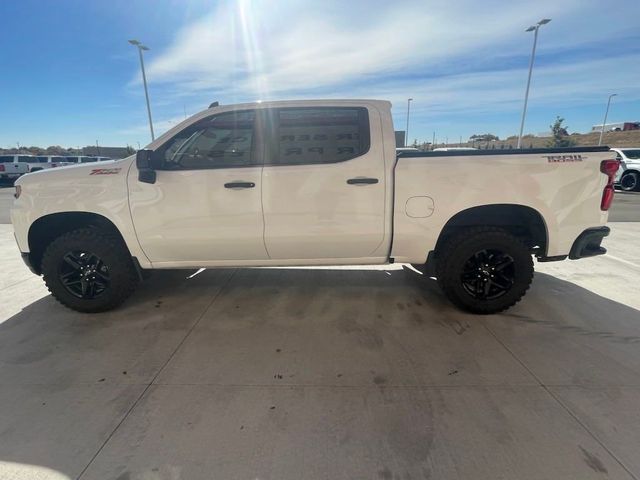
<point x="145" y="165"/>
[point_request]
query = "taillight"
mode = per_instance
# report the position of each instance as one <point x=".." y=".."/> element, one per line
<point x="609" y="168"/>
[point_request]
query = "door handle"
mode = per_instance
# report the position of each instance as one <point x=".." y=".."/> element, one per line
<point x="239" y="185"/>
<point x="362" y="181"/>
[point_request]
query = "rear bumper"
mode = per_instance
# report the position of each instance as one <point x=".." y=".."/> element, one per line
<point x="588" y="243"/>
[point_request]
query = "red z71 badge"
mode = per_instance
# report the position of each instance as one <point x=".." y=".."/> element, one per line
<point x="105" y="171"/>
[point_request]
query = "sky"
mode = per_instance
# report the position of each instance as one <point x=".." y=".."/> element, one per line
<point x="69" y="76"/>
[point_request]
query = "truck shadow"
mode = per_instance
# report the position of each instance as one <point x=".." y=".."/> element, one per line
<point x="68" y="379"/>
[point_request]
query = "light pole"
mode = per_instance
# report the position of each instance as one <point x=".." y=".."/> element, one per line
<point x="142" y="47"/>
<point x="533" y="28"/>
<point x="406" y="142"/>
<point x="606" y="113"/>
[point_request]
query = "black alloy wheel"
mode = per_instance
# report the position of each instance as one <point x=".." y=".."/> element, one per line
<point x="83" y="274"/>
<point x="488" y="274"/>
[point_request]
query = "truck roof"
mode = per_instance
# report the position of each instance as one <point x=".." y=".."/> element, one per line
<point x="297" y="103"/>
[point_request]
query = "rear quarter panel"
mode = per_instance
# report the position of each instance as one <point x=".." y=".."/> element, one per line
<point x="567" y="195"/>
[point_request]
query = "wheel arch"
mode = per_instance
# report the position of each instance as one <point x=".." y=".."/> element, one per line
<point x="522" y="221"/>
<point x="49" y="227"/>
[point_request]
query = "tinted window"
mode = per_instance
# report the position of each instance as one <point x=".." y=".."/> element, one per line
<point x="27" y="159"/>
<point x="320" y="135"/>
<point x="88" y="159"/>
<point x="223" y="141"/>
<point x="42" y="159"/>
<point x="6" y="159"/>
<point x="632" y="154"/>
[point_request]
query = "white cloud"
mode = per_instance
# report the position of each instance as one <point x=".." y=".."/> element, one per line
<point x="261" y="48"/>
<point x="452" y="57"/>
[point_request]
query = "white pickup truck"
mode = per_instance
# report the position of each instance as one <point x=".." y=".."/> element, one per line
<point x="311" y="183"/>
<point x="628" y="176"/>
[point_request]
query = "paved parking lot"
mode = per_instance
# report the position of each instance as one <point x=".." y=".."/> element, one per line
<point x="364" y="373"/>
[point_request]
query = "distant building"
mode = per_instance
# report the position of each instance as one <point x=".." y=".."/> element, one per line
<point x="111" y="152"/>
<point x="617" y="127"/>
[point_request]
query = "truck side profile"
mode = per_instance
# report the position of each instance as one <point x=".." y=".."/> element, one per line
<point x="303" y="183"/>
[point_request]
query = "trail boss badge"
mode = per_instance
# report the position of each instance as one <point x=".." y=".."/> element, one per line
<point x="564" y="158"/>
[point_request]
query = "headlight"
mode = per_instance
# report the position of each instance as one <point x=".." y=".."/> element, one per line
<point x="18" y="191"/>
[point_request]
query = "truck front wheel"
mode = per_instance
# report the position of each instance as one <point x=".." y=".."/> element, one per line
<point x="484" y="269"/>
<point x="89" y="270"/>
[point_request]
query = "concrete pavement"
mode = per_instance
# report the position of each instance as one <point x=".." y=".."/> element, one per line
<point x="324" y="373"/>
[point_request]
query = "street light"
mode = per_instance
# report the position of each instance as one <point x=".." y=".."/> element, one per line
<point x="606" y="113"/>
<point x="533" y="28"/>
<point x="142" y="47"/>
<point x="409" y="100"/>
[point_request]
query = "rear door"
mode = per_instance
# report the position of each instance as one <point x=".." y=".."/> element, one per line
<point x="323" y="185"/>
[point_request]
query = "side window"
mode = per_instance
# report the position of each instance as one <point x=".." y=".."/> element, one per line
<point x="320" y="135"/>
<point x="222" y="141"/>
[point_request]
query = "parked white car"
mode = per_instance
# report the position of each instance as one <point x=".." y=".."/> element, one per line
<point x="311" y="183"/>
<point x="12" y="167"/>
<point x="628" y="175"/>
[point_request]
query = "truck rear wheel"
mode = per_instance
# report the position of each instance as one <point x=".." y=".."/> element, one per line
<point x="484" y="269"/>
<point x="89" y="270"/>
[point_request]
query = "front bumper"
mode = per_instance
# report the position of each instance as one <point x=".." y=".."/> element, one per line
<point x="588" y="243"/>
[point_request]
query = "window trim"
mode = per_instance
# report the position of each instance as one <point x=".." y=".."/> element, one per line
<point x="273" y="133"/>
<point x="256" y="145"/>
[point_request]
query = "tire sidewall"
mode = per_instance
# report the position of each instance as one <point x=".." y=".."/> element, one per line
<point x="636" y="185"/>
<point x="523" y="266"/>
<point x="103" y="248"/>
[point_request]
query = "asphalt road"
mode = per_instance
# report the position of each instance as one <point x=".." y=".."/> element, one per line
<point x="626" y="206"/>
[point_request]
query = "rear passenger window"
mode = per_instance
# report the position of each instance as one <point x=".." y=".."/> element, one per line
<point x="320" y="135"/>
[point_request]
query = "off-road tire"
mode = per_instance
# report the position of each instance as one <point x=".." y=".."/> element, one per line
<point x="460" y="248"/>
<point x="114" y="254"/>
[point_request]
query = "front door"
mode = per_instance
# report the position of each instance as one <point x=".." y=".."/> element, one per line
<point x="205" y="207"/>
<point x="323" y="185"/>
